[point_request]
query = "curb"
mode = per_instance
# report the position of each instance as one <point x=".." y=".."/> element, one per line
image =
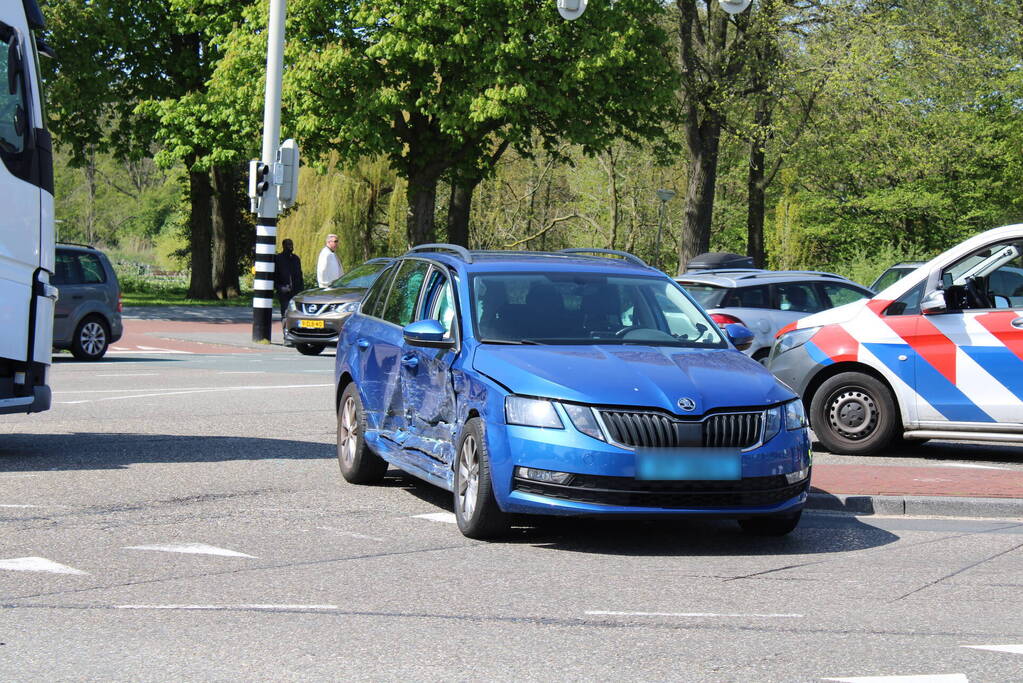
<point x="935" y="506"/>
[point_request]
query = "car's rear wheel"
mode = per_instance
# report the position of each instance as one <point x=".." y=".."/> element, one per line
<point x="762" y="355"/>
<point x="310" y="349"/>
<point x="92" y="337"/>
<point x="476" y="508"/>
<point x="770" y="526"/>
<point x="853" y="413"/>
<point x="359" y="464"/>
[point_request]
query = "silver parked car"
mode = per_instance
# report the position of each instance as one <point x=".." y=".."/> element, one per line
<point x="87" y="317"/>
<point x="767" y="300"/>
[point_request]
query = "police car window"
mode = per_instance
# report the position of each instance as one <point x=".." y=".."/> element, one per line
<point x="1005" y="285"/>
<point x="908" y="303"/>
<point x="991" y="277"/>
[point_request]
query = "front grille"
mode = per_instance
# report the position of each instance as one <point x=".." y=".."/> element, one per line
<point x="658" y="430"/>
<point x="626" y="492"/>
<point x="316" y="309"/>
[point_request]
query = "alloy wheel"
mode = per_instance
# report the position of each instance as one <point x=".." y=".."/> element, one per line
<point x="348" y="428"/>
<point x="468" y="477"/>
<point x="93" y="338"/>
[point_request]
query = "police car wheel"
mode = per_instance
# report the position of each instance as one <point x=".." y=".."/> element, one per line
<point x="854" y="414"/>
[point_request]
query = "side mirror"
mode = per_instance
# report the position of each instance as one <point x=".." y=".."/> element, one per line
<point x="933" y="303"/>
<point x="739" y="335"/>
<point x="429" y="333"/>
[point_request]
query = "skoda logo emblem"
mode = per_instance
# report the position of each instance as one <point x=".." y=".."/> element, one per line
<point x="686" y="403"/>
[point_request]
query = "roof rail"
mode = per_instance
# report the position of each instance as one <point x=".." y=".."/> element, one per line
<point x="789" y="273"/>
<point x="631" y="258"/>
<point x="462" y="252"/>
<point x="75" y="244"/>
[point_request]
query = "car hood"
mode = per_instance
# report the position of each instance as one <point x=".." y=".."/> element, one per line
<point x="323" y="295"/>
<point x="647" y="376"/>
<point x="839" y="314"/>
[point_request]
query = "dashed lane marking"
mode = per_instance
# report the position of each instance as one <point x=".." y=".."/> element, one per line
<point x="446" y="517"/>
<point x="605" y="613"/>
<point x="180" y="392"/>
<point x="268" y="608"/>
<point x="191" y="549"/>
<point x="37" y="564"/>
<point x="19" y="506"/>
<point x="352" y="534"/>
<point x="927" y="678"/>
<point x="1011" y="649"/>
<point x="129" y="374"/>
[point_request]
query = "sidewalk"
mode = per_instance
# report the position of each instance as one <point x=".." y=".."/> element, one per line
<point x="955" y="489"/>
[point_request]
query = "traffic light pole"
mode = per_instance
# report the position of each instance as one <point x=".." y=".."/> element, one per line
<point x="265" y="202"/>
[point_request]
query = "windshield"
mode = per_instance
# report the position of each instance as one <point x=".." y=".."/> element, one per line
<point x="587" y="308"/>
<point x="708" y="296"/>
<point x="361" y="276"/>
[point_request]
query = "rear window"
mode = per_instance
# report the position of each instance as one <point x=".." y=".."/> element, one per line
<point x="708" y="296"/>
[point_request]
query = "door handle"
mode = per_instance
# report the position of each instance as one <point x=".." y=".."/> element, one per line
<point x="1017" y="323"/>
<point x="411" y="362"/>
<point x="363" y="344"/>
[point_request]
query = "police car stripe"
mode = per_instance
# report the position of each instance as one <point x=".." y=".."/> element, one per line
<point x="1000" y="326"/>
<point x="1005" y="367"/>
<point x="931" y="384"/>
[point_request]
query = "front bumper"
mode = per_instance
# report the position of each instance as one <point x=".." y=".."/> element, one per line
<point x="604" y="478"/>
<point x="796" y="367"/>
<point x="295" y="333"/>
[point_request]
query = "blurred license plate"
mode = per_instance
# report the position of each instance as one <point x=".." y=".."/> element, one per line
<point x="318" y="324"/>
<point x="673" y="464"/>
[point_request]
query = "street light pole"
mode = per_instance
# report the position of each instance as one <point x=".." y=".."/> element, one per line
<point x="664" y="196"/>
<point x="264" y="200"/>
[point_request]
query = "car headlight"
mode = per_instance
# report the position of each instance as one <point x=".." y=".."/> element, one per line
<point x="292" y="306"/>
<point x="531" y="412"/>
<point x="350" y="307"/>
<point x="794" y="339"/>
<point x="583" y="419"/>
<point x="791" y="415"/>
<point x="795" y="415"/>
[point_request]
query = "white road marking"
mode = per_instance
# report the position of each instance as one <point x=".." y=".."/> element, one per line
<point x="927" y="678"/>
<point x="1011" y="649"/>
<point x="191" y="549"/>
<point x="129" y="374"/>
<point x="350" y="533"/>
<point x="20" y="506"/>
<point x="151" y="352"/>
<point x="242" y="372"/>
<point x="446" y="517"/>
<point x="603" y="613"/>
<point x="972" y="467"/>
<point x="37" y="564"/>
<point x="161" y="350"/>
<point x="180" y="392"/>
<point x="18" y="475"/>
<point x="229" y="607"/>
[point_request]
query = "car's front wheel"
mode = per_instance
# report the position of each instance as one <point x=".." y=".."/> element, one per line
<point x="476" y="508"/>
<point x="92" y="337"/>
<point x="309" y="349"/>
<point x="853" y="413"/>
<point x="359" y="464"/>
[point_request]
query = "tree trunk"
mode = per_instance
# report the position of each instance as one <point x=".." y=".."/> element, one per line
<point x="612" y="182"/>
<point x="422" y="204"/>
<point x="200" y="226"/>
<point x="460" y="208"/>
<point x="703" y="139"/>
<point x="225" y="229"/>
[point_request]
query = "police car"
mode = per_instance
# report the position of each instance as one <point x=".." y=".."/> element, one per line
<point x="938" y="354"/>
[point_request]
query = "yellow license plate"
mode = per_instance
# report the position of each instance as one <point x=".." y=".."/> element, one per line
<point x="316" y="324"/>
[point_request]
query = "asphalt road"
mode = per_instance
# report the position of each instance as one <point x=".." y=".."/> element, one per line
<point x="180" y="516"/>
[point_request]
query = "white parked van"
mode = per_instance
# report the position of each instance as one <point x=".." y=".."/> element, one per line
<point x="26" y="216"/>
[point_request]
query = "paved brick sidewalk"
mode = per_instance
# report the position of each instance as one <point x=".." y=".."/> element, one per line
<point x="937" y="480"/>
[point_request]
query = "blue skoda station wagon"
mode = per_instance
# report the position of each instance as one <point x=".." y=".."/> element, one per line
<point x="582" y="382"/>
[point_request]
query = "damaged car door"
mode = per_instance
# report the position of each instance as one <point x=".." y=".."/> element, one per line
<point x="426" y="381"/>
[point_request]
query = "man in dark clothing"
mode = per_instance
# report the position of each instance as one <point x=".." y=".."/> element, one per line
<point x="287" y="276"/>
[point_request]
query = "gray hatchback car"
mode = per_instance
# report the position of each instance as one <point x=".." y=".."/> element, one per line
<point x="87" y="317"/>
<point x="767" y="300"/>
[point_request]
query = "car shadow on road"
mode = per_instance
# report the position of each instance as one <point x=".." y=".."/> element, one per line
<point x="817" y="533"/>
<point x="108" y="451"/>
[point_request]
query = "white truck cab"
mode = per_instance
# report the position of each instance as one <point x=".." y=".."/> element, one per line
<point x="26" y="216"/>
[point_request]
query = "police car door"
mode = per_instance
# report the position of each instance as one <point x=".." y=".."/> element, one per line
<point x="972" y="333"/>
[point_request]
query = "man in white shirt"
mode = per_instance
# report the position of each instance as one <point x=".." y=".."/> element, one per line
<point x="328" y="268"/>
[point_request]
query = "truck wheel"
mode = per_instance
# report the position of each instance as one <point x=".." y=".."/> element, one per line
<point x="854" y="414"/>
<point x="359" y="465"/>
<point x="92" y="336"/>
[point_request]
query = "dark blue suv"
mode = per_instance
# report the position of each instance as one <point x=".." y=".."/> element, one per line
<point x="581" y="382"/>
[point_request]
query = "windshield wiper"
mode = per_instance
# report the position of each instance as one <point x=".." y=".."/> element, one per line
<point x="514" y="342"/>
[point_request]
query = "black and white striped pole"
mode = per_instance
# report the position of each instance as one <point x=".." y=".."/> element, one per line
<point x="267" y="178"/>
